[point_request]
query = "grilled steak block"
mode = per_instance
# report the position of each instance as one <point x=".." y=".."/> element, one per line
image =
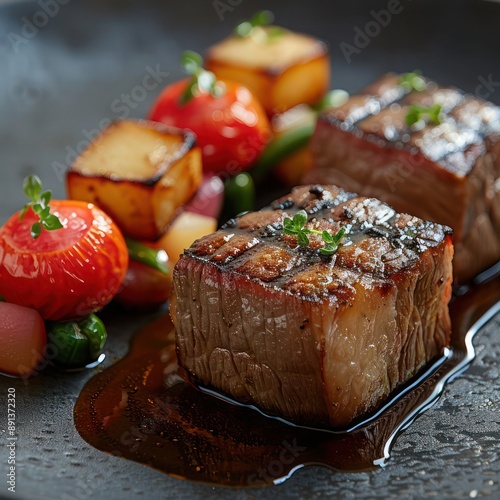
<point x="316" y="339"/>
<point x="447" y="173"/>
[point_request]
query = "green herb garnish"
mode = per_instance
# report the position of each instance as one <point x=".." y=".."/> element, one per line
<point x="258" y="20"/>
<point x="332" y="99"/>
<point x="40" y="200"/>
<point x="202" y="81"/>
<point x="413" y="81"/>
<point x="296" y="227"/>
<point x="332" y="242"/>
<point x="416" y="112"/>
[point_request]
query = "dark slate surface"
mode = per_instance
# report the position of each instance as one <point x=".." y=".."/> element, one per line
<point x="55" y="91"/>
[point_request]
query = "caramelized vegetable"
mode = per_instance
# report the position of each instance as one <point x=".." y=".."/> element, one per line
<point x="140" y="173"/>
<point x="280" y="67"/>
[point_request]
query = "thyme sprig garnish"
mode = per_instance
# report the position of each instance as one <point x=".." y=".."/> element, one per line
<point x="40" y="204"/>
<point x="202" y="81"/>
<point x="413" y="81"/>
<point x="416" y="112"/>
<point x="259" y="20"/>
<point x="296" y="226"/>
<point x="332" y="241"/>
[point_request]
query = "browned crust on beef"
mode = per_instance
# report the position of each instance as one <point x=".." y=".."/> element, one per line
<point x="315" y="339"/>
<point x="447" y="173"/>
<point x="380" y="242"/>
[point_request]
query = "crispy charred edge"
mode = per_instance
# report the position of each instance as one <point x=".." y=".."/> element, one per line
<point x="342" y="295"/>
<point x="395" y="96"/>
<point x="312" y="199"/>
<point x="187" y="144"/>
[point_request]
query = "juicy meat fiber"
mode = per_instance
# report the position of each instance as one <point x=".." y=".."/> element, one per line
<point x="447" y="173"/>
<point x="318" y="340"/>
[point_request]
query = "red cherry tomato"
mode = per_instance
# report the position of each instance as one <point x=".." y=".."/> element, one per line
<point x="231" y="130"/>
<point x="66" y="273"/>
<point x="144" y="288"/>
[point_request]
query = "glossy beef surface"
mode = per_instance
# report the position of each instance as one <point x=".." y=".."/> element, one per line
<point x="316" y="339"/>
<point x="379" y="241"/>
<point x="447" y="172"/>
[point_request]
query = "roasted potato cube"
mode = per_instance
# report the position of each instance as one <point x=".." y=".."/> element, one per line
<point x="282" y="70"/>
<point x="140" y="173"/>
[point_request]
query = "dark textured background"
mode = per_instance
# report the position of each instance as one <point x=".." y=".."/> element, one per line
<point x="56" y="89"/>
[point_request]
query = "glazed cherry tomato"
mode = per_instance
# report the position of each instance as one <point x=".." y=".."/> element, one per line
<point x="230" y="124"/>
<point x="64" y="273"/>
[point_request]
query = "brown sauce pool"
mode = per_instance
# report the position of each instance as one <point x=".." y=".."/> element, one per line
<point x="142" y="410"/>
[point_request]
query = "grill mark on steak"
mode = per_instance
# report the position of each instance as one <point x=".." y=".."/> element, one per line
<point x="379" y="242"/>
<point x="378" y="115"/>
<point x="240" y="243"/>
<point x="477" y="115"/>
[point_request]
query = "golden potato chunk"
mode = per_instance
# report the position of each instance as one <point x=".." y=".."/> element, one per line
<point x="140" y="173"/>
<point x="282" y="70"/>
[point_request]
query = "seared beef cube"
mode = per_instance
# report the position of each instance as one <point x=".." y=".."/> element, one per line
<point x="318" y="340"/>
<point x="447" y="172"/>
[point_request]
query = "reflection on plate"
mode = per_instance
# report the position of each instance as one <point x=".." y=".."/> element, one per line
<point x="142" y="410"/>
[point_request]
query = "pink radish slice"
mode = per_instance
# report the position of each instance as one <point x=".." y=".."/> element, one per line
<point x="209" y="198"/>
<point x="22" y="340"/>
